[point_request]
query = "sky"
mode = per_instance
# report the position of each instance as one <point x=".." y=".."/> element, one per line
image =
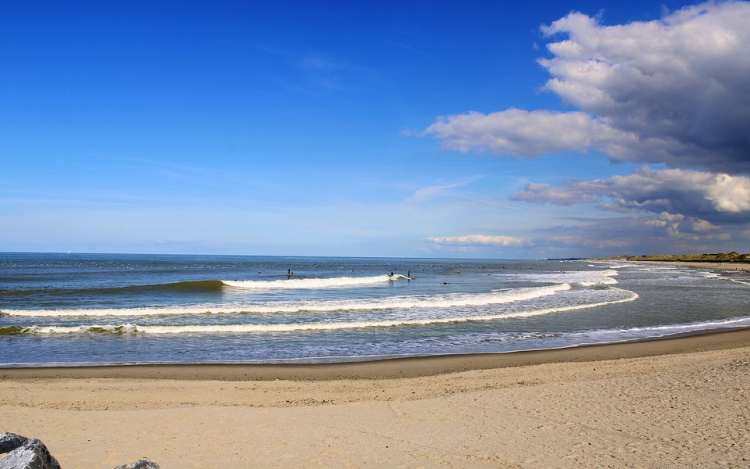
<point x="394" y="129"/>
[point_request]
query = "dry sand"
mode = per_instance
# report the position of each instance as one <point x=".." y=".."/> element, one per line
<point x="670" y="403"/>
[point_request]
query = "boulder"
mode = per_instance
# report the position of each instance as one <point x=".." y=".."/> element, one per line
<point x="32" y="454"/>
<point x="10" y="441"/>
<point x="25" y="453"/>
<point x="144" y="463"/>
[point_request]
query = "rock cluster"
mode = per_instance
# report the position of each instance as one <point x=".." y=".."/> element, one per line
<point x="144" y="463"/>
<point x="27" y="453"/>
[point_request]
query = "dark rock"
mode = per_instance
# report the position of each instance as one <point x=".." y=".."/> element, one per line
<point x="10" y="441"/>
<point x="32" y="454"/>
<point x="144" y="463"/>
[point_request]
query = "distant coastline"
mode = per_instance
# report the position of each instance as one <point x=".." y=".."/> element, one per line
<point x="727" y="262"/>
<point x="713" y="258"/>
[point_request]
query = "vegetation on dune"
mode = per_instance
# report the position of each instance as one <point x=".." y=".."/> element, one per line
<point x="719" y="257"/>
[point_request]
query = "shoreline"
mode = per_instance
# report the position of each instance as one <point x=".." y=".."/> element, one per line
<point x="713" y="265"/>
<point x="678" y="402"/>
<point x="403" y="367"/>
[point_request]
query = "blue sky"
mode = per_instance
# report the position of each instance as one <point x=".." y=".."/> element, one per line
<point x="416" y="129"/>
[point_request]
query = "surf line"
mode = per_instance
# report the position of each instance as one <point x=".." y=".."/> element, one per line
<point x="264" y="328"/>
<point x="312" y="283"/>
<point x="401" y="302"/>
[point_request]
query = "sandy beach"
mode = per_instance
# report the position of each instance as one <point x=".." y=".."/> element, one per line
<point x="723" y="266"/>
<point x="666" y="403"/>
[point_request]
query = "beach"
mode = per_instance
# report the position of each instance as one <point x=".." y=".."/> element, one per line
<point x="721" y="266"/>
<point x="671" y="402"/>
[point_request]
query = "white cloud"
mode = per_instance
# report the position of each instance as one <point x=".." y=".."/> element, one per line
<point x="701" y="194"/>
<point x="529" y="134"/>
<point x="516" y="132"/>
<point x="729" y="193"/>
<point x="673" y="91"/>
<point x="479" y="240"/>
<point x="660" y="233"/>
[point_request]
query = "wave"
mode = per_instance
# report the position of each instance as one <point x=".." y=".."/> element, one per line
<point x="599" y="336"/>
<point x="708" y="274"/>
<point x="312" y="283"/>
<point x="741" y="282"/>
<point x="585" y="278"/>
<point x="401" y="302"/>
<point x="266" y="328"/>
<point x="602" y="281"/>
<point x="207" y="286"/>
<point x="197" y="286"/>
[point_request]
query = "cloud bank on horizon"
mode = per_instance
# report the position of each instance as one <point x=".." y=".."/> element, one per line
<point x="673" y="92"/>
<point x="483" y="240"/>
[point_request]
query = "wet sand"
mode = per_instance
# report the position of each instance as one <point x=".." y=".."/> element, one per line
<point x="668" y="403"/>
<point x="723" y="266"/>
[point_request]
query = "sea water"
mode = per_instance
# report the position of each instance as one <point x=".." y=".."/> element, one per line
<point x="117" y="308"/>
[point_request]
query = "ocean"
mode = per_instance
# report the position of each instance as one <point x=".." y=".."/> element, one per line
<point x="77" y="309"/>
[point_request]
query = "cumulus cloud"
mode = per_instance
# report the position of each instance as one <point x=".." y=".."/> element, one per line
<point x="700" y="194"/>
<point x="673" y="91"/>
<point x="529" y="134"/>
<point x="479" y="240"/>
<point x="516" y="132"/>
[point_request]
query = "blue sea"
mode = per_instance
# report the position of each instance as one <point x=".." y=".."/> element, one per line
<point x="122" y="308"/>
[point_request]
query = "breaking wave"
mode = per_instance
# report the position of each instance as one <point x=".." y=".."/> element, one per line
<point x="401" y="302"/>
<point x="207" y="286"/>
<point x="585" y="278"/>
<point x="315" y="326"/>
<point x="313" y="283"/>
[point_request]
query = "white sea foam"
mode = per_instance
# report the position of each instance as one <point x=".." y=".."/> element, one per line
<point x="627" y="296"/>
<point x="634" y="333"/>
<point x="584" y="278"/>
<point x="599" y="336"/>
<point x="621" y="265"/>
<point x="709" y="274"/>
<point x="96" y="328"/>
<point x="312" y="283"/>
<point x="400" y="302"/>
<point x="601" y="281"/>
<point x="745" y="281"/>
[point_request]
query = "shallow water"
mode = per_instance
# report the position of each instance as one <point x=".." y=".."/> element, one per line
<point x="105" y="308"/>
